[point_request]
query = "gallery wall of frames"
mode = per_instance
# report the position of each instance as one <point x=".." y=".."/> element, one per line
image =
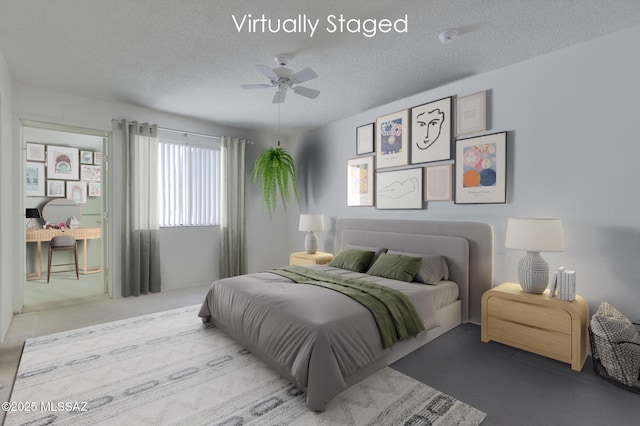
<point x="438" y="151"/>
<point x="62" y="171"/>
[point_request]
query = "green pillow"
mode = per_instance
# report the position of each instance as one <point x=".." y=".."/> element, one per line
<point x="352" y="259"/>
<point x="396" y="267"/>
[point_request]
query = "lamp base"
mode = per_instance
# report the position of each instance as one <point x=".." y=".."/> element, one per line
<point x="311" y="243"/>
<point x="533" y="273"/>
<point x="32" y="225"/>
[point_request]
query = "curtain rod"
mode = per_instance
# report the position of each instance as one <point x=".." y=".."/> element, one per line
<point x="178" y="131"/>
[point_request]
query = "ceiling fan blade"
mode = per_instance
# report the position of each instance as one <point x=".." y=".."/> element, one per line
<point x="267" y="72"/>
<point x="305" y="91"/>
<point x="304" y="75"/>
<point x="256" y="86"/>
<point x="279" y="97"/>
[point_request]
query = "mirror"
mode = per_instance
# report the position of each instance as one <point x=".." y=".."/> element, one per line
<point x="59" y="210"/>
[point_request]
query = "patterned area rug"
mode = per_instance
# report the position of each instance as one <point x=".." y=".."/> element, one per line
<point x="169" y="368"/>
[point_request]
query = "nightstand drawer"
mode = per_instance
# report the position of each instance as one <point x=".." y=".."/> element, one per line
<point x="551" y="344"/>
<point x="544" y="317"/>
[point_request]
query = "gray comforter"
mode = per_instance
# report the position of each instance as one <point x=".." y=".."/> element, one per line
<point x="315" y="336"/>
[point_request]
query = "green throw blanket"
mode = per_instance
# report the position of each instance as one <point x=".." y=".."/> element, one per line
<point x="395" y="316"/>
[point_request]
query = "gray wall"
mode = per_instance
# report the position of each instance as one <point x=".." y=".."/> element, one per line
<point x="10" y="217"/>
<point x="573" y="154"/>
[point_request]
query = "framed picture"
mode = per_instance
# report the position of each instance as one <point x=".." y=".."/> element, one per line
<point x="392" y="140"/>
<point x="481" y="169"/>
<point x="431" y="131"/>
<point x="399" y="189"/>
<point x="360" y="185"/>
<point x="95" y="189"/>
<point x="365" y="139"/>
<point x="62" y="162"/>
<point x="97" y="158"/>
<point x="90" y="173"/>
<point x="35" y="151"/>
<point x="471" y="113"/>
<point x="86" y="157"/>
<point x="34" y="179"/>
<point x="438" y="183"/>
<point x="55" y="188"/>
<point x="77" y="191"/>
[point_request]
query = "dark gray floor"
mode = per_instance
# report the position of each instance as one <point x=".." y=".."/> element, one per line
<point x="515" y="387"/>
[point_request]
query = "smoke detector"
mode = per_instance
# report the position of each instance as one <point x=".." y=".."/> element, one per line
<point x="447" y="36"/>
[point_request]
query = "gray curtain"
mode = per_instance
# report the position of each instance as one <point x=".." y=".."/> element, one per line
<point x="233" y="250"/>
<point x="141" y="241"/>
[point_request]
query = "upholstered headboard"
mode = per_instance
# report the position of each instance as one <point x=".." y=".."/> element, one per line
<point x="468" y="247"/>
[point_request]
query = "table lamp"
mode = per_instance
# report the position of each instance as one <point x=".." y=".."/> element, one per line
<point x="32" y="215"/>
<point x="534" y="235"/>
<point x="311" y="222"/>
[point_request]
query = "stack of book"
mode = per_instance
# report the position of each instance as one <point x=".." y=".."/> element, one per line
<point x="563" y="284"/>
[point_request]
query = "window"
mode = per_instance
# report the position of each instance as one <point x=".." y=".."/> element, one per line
<point x="189" y="179"/>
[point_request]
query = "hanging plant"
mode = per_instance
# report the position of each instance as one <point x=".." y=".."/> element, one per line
<point x="276" y="171"/>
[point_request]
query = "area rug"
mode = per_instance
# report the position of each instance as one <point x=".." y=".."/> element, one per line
<point x="170" y="368"/>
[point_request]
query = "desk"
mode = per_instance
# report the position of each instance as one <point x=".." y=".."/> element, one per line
<point x="81" y="234"/>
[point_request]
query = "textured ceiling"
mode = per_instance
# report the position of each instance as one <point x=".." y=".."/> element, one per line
<point x="188" y="58"/>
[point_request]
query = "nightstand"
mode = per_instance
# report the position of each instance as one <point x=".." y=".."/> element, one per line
<point x="304" y="258"/>
<point x="536" y="323"/>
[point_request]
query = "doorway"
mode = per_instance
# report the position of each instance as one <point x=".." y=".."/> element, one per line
<point x="65" y="167"/>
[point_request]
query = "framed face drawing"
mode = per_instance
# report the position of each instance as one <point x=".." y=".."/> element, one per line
<point x="392" y="140"/>
<point x="431" y="131"/>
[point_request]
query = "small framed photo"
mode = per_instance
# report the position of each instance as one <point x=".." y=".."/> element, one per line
<point x="431" y="131"/>
<point x="86" y="157"/>
<point x="55" y="188"/>
<point x="360" y="185"/>
<point x="95" y="189"/>
<point x="77" y="191"/>
<point x="90" y="173"/>
<point x="34" y="179"/>
<point x="35" y="151"/>
<point x="392" y="140"/>
<point x="399" y="189"/>
<point x="438" y="183"/>
<point x="97" y="158"/>
<point x="471" y="113"/>
<point x="365" y="139"/>
<point x="481" y="169"/>
<point x="62" y="162"/>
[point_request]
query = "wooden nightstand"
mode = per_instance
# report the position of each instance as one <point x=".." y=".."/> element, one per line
<point x="536" y="323"/>
<point x="304" y="258"/>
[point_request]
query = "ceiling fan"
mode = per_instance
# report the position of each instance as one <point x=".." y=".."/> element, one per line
<point x="283" y="78"/>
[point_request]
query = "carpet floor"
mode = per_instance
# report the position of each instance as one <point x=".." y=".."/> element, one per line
<point x="169" y="368"/>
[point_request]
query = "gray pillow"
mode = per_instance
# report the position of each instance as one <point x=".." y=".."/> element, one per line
<point x="352" y="259"/>
<point x="396" y="267"/>
<point x="433" y="269"/>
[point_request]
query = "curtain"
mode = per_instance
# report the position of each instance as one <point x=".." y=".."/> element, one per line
<point x="142" y="243"/>
<point x="233" y="250"/>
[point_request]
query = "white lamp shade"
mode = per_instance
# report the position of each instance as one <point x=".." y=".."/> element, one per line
<point x="534" y="234"/>
<point x="311" y="222"/>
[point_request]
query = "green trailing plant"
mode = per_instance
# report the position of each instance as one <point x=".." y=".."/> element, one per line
<point x="276" y="171"/>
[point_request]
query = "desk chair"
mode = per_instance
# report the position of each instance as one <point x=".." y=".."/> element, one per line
<point x="60" y="243"/>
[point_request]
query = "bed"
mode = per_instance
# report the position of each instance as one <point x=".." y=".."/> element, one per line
<point x="323" y="341"/>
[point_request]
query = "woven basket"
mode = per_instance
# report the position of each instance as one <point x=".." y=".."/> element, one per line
<point x="604" y="349"/>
